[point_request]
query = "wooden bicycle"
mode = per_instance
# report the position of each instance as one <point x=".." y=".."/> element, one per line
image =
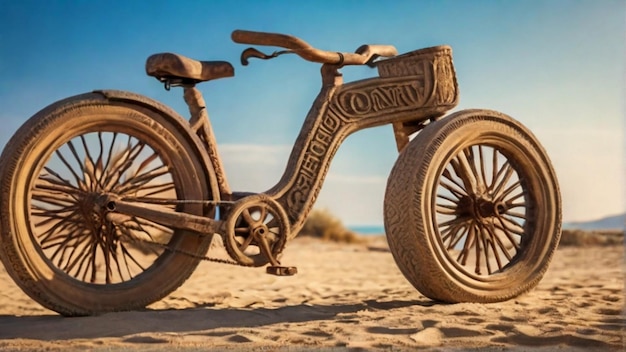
<point x="111" y="199"/>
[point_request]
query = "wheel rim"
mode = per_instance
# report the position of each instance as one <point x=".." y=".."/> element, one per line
<point x="483" y="210"/>
<point x="72" y="233"/>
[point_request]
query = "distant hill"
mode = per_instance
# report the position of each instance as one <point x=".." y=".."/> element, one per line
<point x="607" y="223"/>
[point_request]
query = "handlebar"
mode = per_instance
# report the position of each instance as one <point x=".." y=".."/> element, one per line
<point x="365" y="54"/>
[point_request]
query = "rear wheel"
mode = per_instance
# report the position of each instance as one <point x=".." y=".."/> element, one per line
<point x="57" y="244"/>
<point x="472" y="209"/>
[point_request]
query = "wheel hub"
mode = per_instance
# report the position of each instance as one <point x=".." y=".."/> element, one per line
<point x="480" y="207"/>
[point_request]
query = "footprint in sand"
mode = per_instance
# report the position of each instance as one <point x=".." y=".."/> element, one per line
<point x="428" y="337"/>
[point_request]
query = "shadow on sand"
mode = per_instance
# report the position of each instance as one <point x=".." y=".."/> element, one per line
<point x="55" y="327"/>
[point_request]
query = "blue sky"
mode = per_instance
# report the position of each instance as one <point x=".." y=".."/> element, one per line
<point x="557" y="66"/>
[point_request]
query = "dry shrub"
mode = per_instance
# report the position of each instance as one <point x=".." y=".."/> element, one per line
<point x="322" y="224"/>
<point x="580" y="238"/>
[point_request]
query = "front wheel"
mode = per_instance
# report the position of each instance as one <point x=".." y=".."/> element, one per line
<point x="472" y="209"/>
<point x="56" y="243"/>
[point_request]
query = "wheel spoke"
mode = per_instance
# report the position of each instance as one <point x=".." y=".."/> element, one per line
<point x="509" y="232"/>
<point x="458" y="194"/>
<point x="80" y="162"/>
<point x="444" y="209"/>
<point x="481" y="159"/>
<point x="262" y="215"/>
<point x="442" y="196"/>
<point x="467" y="246"/>
<point x="242" y="231"/>
<point x="60" y="231"/>
<point x="245" y="243"/>
<point x="477" y="242"/>
<point x="461" y="166"/>
<point x="76" y="264"/>
<point x="516" y="214"/>
<point x="52" y="186"/>
<point x="459" y="187"/>
<point x="517" y="185"/>
<point x="493" y="240"/>
<point x="88" y="159"/>
<point x="501" y="178"/>
<point x="497" y="240"/>
<point x="485" y="245"/>
<point x="139" y="181"/>
<point x="120" y="163"/>
<point x="69" y="167"/>
<point x="59" y="180"/>
<point x="129" y="255"/>
<point x="247" y="216"/>
<point x="479" y="181"/>
<point x="451" y="222"/>
<point x="455" y="233"/>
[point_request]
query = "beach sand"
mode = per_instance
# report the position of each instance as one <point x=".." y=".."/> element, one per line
<point x="346" y="297"/>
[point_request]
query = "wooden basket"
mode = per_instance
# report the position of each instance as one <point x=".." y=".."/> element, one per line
<point x="433" y="72"/>
<point x="433" y="67"/>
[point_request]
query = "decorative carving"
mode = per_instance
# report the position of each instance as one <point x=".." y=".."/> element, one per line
<point x="379" y="96"/>
<point x="435" y="62"/>
<point x="315" y="156"/>
<point x="421" y="83"/>
<point x="445" y="80"/>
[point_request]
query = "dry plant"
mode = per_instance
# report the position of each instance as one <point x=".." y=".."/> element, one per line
<point x="581" y="238"/>
<point x="322" y="224"/>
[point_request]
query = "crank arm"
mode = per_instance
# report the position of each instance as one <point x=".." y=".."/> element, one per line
<point x="275" y="268"/>
<point x="117" y="208"/>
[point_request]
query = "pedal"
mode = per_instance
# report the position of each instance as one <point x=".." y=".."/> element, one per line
<point x="282" y="270"/>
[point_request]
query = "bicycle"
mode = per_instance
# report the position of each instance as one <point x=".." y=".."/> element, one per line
<point x="111" y="199"/>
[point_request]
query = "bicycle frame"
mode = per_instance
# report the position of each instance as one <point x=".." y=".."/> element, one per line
<point x="472" y="208"/>
<point x="412" y="90"/>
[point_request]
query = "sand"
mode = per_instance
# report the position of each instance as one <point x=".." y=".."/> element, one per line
<point x="346" y="297"/>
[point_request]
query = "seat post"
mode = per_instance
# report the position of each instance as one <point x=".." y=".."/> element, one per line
<point x="195" y="102"/>
<point x="201" y="125"/>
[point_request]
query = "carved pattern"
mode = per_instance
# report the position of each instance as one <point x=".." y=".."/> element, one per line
<point x="378" y="96"/>
<point x="313" y="161"/>
<point x="436" y="60"/>
<point x="416" y="80"/>
<point x="446" y="79"/>
<point x="413" y="86"/>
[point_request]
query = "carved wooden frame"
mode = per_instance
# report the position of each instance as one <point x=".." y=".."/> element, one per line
<point x="411" y="90"/>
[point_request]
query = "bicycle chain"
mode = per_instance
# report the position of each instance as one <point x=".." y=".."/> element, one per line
<point x="189" y="254"/>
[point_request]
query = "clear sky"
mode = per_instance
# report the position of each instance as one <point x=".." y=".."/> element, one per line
<point x="557" y="66"/>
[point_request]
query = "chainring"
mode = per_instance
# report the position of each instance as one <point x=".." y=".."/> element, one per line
<point x="251" y="221"/>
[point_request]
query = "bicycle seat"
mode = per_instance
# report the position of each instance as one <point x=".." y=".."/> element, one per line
<point x="169" y="66"/>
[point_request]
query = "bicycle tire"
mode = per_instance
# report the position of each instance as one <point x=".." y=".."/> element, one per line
<point x="55" y="165"/>
<point x="473" y="187"/>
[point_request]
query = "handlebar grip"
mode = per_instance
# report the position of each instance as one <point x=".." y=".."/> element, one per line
<point x="269" y="39"/>
<point x="377" y="49"/>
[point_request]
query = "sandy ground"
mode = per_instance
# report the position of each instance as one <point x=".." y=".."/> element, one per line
<point x="345" y="297"/>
